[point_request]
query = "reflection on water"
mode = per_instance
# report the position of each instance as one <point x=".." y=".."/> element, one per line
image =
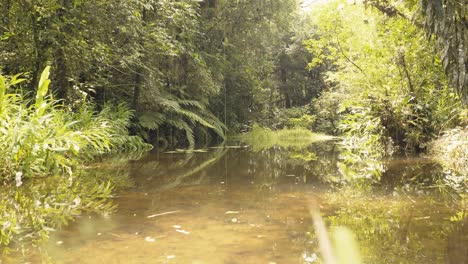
<point x="235" y="205"/>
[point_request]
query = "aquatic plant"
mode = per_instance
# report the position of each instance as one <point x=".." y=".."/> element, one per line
<point x="264" y="138"/>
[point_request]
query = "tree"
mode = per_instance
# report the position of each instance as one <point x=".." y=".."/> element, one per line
<point x="447" y="21"/>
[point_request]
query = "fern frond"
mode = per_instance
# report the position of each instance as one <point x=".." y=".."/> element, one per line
<point x="151" y="120"/>
<point x="193" y="103"/>
<point x="194" y="118"/>
<point x="182" y="125"/>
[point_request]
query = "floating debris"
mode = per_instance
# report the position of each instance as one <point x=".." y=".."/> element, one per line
<point x="166" y="213"/>
<point x="182" y="231"/>
<point x="59" y="242"/>
<point x="176" y="226"/>
<point x="310" y="259"/>
<point x="228" y="147"/>
<point x="150" y="239"/>
<point x="234" y="220"/>
<point x="170" y="257"/>
<point x="232" y="212"/>
<point x="422" y="218"/>
<point x="183" y="151"/>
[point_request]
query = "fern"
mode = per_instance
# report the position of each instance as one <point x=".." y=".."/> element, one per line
<point x="182" y="125"/>
<point x="152" y="121"/>
<point x="181" y="114"/>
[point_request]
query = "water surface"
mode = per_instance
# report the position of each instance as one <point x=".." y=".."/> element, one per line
<point x="237" y="205"/>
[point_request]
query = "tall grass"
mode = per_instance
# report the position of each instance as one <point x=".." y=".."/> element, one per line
<point x="41" y="137"/>
<point x="264" y="138"/>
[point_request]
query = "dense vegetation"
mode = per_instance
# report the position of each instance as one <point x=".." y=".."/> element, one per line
<point x="387" y="76"/>
<point x="191" y="70"/>
<point x="43" y="144"/>
<point x="174" y="62"/>
<point x="388" y="92"/>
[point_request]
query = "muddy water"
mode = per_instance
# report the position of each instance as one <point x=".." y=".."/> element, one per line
<point x="234" y="205"/>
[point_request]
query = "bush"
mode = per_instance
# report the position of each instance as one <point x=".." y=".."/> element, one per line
<point x="362" y="146"/>
<point x="295" y="117"/>
<point x="42" y="138"/>
<point x="42" y="143"/>
<point x="451" y="150"/>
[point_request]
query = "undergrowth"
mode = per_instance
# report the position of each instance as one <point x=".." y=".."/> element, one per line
<point x="263" y="138"/>
<point x="42" y="138"/>
<point x="43" y="147"/>
<point x="451" y="150"/>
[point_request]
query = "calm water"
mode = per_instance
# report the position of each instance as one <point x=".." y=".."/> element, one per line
<point x="234" y="205"/>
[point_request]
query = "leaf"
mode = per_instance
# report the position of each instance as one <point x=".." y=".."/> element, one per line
<point x="14" y="80"/>
<point x="43" y="87"/>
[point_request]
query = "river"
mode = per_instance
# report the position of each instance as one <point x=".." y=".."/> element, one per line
<point x="239" y="204"/>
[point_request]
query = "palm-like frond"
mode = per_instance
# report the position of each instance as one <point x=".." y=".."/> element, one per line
<point x="181" y="114"/>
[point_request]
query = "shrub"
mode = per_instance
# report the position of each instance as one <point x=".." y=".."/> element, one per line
<point x="41" y="138"/>
<point x="451" y="149"/>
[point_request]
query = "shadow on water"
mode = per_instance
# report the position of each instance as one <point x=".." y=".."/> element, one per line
<point x="252" y="205"/>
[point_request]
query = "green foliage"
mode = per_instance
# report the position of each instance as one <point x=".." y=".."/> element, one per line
<point x="362" y="146"/>
<point x="294" y="117"/>
<point x="41" y="145"/>
<point x="146" y="52"/>
<point x="451" y="149"/>
<point x="43" y="138"/>
<point x="256" y="41"/>
<point x="388" y="93"/>
<point x="185" y="115"/>
<point x="263" y="138"/>
<point x="326" y="109"/>
<point x="305" y="121"/>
